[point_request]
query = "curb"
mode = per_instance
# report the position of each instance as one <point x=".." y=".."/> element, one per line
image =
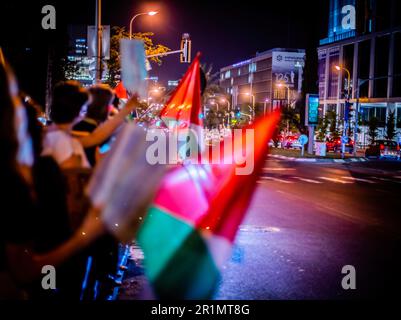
<point x="315" y="160"/>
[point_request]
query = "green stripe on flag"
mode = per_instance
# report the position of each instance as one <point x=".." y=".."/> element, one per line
<point x="177" y="260"/>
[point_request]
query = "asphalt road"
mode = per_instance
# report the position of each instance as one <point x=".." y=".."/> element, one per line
<point x="305" y="223"/>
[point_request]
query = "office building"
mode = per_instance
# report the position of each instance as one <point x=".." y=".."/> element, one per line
<point x="364" y="38"/>
<point x="270" y="79"/>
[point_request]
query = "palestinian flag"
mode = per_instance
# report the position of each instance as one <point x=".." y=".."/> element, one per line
<point x="189" y="230"/>
<point x="182" y="113"/>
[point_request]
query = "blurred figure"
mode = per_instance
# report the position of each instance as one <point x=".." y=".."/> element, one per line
<point x="98" y="110"/>
<point x="15" y="178"/>
<point x="26" y="175"/>
<point x="51" y="223"/>
<point x="68" y="100"/>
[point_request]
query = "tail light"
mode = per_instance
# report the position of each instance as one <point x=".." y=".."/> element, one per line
<point x="382" y="147"/>
<point x="398" y="147"/>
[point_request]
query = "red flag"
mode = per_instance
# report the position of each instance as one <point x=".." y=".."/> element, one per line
<point x="121" y="92"/>
<point x="182" y="114"/>
<point x="184" y="107"/>
<point x="189" y="230"/>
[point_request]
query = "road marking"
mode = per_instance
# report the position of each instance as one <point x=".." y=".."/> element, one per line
<point x="275" y="179"/>
<point x="359" y="179"/>
<point x="339" y="160"/>
<point x="279" y="169"/>
<point x="335" y="180"/>
<point x="385" y="179"/>
<point x="308" y="180"/>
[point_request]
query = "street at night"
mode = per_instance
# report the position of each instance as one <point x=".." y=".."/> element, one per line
<point x="200" y="158"/>
<point x="306" y="222"/>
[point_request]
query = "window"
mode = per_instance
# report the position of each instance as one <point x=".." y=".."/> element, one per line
<point x="397" y="65"/>
<point x="398" y="117"/>
<point x="322" y="73"/>
<point x="331" y="108"/>
<point x="227" y="74"/>
<point x="381" y="66"/>
<point x="364" y="66"/>
<point x="367" y="113"/>
<point x="252" y="67"/>
<point x="333" y="73"/>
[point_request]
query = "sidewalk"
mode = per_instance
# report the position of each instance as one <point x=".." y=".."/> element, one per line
<point x="295" y="155"/>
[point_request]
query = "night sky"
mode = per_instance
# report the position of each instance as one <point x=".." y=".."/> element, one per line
<point x="224" y="31"/>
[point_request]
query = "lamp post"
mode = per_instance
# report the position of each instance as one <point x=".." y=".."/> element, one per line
<point x="98" y="42"/>
<point x="345" y="125"/>
<point x="281" y="85"/>
<point x="150" y="13"/>
<point x="224" y="100"/>
<point x="253" y="101"/>
<point x="264" y="106"/>
<point x="359" y="84"/>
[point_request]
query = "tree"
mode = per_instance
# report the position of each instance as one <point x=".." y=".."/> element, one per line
<point x="322" y="127"/>
<point x="391" y="131"/>
<point x="119" y="33"/>
<point x="373" y="124"/>
<point x="333" y="127"/>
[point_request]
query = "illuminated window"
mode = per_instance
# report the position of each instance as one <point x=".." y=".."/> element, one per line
<point x="227" y="74"/>
<point x="252" y="67"/>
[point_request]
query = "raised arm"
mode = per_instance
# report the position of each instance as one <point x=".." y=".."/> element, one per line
<point x="106" y="129"/>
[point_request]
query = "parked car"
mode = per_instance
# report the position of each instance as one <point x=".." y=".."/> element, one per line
<point x="383" y="149"/>
<point x="335" y="145"/>
<point x="291" y="142"/>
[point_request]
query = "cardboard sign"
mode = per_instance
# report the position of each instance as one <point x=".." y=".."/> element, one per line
<point x="133" y="66"/>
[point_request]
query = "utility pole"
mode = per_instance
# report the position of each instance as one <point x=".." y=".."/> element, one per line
<point x="356" y="118"/>
<point x="98" y="25"/>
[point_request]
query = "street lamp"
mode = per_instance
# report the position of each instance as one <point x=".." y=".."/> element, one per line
<point x="226" y="101"/>
<point x="253" y="103"/>
<point x="223" y="100"/>
<point x="150" y="13"/>
<point x="339" y="68"/>
<point x="282" y="85"/>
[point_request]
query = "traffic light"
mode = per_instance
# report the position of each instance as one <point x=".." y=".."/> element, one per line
<point x="185" y="56"/>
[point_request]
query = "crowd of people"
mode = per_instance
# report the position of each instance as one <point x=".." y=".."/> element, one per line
<point x="41" y="167"/>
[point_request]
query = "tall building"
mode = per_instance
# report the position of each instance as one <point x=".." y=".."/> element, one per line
<point x="270" y="79"/>
<point x="81" y="53"/>
<point x="364" y="38"/>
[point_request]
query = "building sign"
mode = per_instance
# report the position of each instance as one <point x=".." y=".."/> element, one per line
<point x="287" y="68"/>
<point x="312" y="110"/>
